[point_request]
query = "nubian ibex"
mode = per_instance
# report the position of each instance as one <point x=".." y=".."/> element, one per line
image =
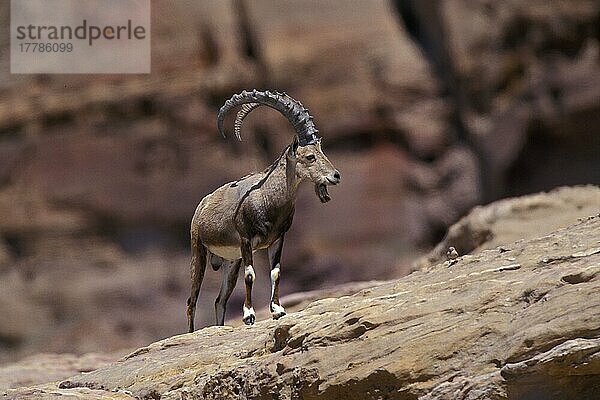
<point x="256" y="211"/>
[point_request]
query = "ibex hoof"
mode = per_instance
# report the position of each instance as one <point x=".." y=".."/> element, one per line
<point x="278" y="315"/>
<point x="249" y="316"/>
<point x="277" y="311"/>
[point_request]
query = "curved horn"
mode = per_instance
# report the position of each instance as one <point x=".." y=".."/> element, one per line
<point x="239" y="118"/>
<point x="292" y="109"/>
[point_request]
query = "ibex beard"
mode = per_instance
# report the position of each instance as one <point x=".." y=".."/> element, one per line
<point x="255" y="212"/>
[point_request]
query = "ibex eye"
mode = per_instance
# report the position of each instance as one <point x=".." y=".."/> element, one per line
<point x="311" y="157"/>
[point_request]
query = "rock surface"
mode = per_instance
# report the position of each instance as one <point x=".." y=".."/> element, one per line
<point x="505" y="221"/>
<point x="50" y="367"/>
<point x="500" y="324"/>
<point x="427" y="109"/>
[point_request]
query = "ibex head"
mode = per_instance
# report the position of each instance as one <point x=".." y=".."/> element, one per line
<point x="311" y="163"/>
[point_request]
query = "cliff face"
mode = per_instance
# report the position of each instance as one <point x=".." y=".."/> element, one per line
<point x="519" y="321"/>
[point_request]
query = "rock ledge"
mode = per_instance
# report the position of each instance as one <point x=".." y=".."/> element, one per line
<point x="507" y="323"/>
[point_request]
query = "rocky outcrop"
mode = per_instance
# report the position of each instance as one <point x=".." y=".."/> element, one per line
<point x="505" y="221"/>
<point x="50" y="367"/>
<point x="516" y="322"/>
<point x="427" y="109"/>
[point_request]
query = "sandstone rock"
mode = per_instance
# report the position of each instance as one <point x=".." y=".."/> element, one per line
<point x="50" y="367"/>
<point x="5" y="255"/>
<point x="298" y="301"/>
<point x="97" y="171"/>
<point x="496" y="325"/>
<point x="505" y="221"/>
<point x="569" y="370"/>
<point x="104" y="305"/>
<point x="520" y="75"/>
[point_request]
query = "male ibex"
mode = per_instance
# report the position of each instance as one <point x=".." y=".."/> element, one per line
<point x="256" y="211"/>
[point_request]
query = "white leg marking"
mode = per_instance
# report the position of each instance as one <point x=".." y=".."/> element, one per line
<point x="249" y="315"/>
<point x="276" y="309"/>
<point x="248" y="311"/>
<point x="274" y="277"/>
<point x="249" y="271"/>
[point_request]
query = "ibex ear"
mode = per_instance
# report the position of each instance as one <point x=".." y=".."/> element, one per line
<point x="294" y="147"/>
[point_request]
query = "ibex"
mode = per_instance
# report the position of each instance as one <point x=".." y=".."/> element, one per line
<point x="256" y="211"/>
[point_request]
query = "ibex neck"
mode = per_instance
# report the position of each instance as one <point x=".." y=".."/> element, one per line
<point x="284" y="180"/>
<point x="280" y="181"/>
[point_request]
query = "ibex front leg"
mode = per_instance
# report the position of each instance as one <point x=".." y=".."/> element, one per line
<point x="275" y="260"/>
<point x="249" y="276"/>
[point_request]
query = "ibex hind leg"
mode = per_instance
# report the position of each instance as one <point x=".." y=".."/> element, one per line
<point x="197" y="268"/>
<point x="277" y="309"/>
<point x="231" y="270"/>
<point x="249" y="277"/>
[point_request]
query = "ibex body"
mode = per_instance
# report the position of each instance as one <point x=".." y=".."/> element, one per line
<point x="256" y="211"/>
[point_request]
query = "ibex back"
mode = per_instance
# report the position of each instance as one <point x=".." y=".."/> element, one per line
<point x="256" y="211"/>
